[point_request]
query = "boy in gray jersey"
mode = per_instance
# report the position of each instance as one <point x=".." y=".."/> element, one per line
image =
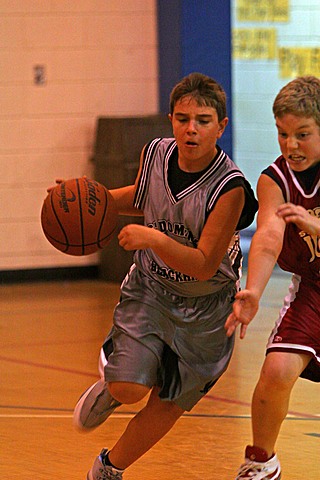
<point x="168" y="339"/>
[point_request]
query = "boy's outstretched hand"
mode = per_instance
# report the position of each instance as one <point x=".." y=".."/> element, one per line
<point x="245" y="307"/>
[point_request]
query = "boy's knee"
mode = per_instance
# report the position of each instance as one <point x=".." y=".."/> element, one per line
<point x="128" y="392"/>
<point x="279" y="371"/>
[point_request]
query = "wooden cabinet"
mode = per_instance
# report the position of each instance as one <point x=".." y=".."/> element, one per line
<point x="119" y="141"/>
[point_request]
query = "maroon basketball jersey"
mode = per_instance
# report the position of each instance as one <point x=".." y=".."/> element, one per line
<point x="301" y="252"/>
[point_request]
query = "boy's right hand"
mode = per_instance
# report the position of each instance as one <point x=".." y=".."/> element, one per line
<point x="245" y="307"/>
<point x="58" y="181"/>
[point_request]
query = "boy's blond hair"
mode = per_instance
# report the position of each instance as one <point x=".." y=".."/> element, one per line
<point x="299" y="97"/>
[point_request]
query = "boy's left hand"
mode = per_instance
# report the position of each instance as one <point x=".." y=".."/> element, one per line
<point x="137" y="237"/>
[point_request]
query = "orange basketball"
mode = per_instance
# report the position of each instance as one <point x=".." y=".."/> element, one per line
<point x="79" y="216"/>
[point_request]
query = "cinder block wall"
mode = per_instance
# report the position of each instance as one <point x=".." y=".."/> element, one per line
<point x="98" y="58"/>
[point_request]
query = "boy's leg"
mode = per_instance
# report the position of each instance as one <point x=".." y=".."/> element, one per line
<point x="151" y="424"/>
<point x="99" y="401"/>
<point x="269" y="408"/>
<point x="271" y="397"/>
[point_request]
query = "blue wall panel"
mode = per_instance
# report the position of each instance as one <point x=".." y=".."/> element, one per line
<point x="169" y="49"/>
<point x="195" y="36"/>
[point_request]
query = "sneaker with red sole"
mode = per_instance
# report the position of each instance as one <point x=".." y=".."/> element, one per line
<point x="257" y="466"/>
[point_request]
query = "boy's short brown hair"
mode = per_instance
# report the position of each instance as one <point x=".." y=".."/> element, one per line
<point x="205" y="90"/>
<point x="299" y="97"/>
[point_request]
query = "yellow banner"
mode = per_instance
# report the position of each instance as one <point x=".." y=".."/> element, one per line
<point x="254" y="43"/>
<point x="294" y="62"/>
<point x="262" y="10"/>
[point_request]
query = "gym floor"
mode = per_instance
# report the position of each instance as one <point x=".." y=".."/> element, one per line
<point x="50" y="339"/>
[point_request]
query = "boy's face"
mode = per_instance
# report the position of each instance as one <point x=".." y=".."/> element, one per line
<point x="299" y="140"/>
<point x="196" y="130"/>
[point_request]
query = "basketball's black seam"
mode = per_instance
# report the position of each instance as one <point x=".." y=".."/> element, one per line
<point x="81" y="218"/>
<point x="77" y="245"/>
<point x="66" y="243"/>
<point x="107" y="236"/>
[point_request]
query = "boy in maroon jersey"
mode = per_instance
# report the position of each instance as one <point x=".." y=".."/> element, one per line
<point x="288" y="232"/>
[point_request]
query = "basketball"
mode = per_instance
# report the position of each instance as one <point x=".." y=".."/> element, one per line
<point x="79" y="216"/>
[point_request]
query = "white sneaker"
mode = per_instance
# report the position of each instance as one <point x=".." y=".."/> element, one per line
<point x="94" y="406"/>
<point x="100" y="471"/>
<point x="257" y="466"/>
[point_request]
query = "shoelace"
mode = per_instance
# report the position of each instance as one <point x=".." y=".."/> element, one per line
<point x="107" y="475"/>
<point x="249" y="469"/>
<point x="113" y="404"/>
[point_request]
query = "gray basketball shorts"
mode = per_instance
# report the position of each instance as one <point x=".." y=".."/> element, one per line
<point x="176" y="343"/>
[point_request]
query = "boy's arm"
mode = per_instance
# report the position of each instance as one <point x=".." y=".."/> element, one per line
<point x="264" y="250"/>
<point x="124" y="196"/>
<point x="267" y="241"/>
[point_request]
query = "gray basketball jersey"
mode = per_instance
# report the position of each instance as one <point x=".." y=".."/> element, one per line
<point x="182" y="217"/>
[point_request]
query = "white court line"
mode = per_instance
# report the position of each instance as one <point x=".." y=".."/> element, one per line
<point x="130" y="415"/>
<point x="117" y="415"/>
<point x="54" y="415"/>
<point x="27" y="415"/>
